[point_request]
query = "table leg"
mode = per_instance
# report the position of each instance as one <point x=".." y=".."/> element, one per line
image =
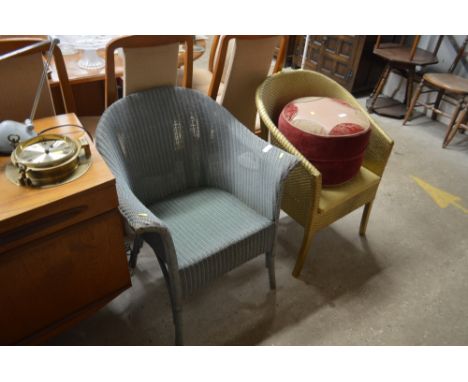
<point x="409" y="86"/>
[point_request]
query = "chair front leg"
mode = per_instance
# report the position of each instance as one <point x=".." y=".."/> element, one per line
<point x="454" y="125"/>
<point x="304" y="251"/>
<point x="365" y="218"/>
<point x="176" y="303"/>
<point x="177" y="313"/>
<point x="175" y="293"/>
<point x="135" y="250"/>
<point x="270" y="263"/>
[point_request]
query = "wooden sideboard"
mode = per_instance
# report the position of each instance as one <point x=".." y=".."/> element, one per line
<point x="346" y="59"/>
<point x="62" y="253"/>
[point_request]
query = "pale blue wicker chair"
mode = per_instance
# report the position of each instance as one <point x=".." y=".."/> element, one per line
<point x="194" y="183"/>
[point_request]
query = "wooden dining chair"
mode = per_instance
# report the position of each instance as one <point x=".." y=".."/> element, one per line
<point x="19" y="79"/>
<point x="149" y="61"/>
<point x="402" y="59"/>
<point x="450" y="88"/>
<point x="244" y="62"/>
<point x="202" y="76"/>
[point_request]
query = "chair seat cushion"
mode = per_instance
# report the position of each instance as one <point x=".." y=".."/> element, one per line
<point x="207" y="221"/>
<point x="447" y="81"/>
<point x="331" y="197"/>
<point x="330" y="133"/>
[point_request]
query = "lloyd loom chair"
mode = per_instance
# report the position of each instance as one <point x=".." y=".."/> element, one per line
<point x="194" y="183"/>
<point x="304" y="199"/>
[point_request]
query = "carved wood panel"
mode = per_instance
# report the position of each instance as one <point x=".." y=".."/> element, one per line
<point x="339" y="57"/>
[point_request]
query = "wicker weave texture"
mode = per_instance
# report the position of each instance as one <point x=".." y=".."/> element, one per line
<point x="303" y="188"/>
<point x="166" y="142"/>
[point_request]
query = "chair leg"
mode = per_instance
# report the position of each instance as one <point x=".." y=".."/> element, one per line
<point x="304" y="251"/>
<point x="452" y="126"/>
<point x="137" y="244"/>
<point x="379" y="88"/>
<point x="440" y="94"/>
<point x="177" y="313"/>
<point x="365" y="218"/>
<point x="409" y="86"/>
<point x="270" y="261"/>
<point x="176" y="303"/>
<point x="413" y="102"/>
<point x="455" y="122"/>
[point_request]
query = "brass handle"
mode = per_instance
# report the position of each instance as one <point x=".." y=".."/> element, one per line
<point x="85" y="145"/>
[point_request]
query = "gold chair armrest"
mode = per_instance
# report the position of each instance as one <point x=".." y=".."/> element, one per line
<point x="303" y="185"/>
<point x="378" y="151"/>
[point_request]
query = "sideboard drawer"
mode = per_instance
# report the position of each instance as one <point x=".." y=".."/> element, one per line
<point x="56" y="216"/>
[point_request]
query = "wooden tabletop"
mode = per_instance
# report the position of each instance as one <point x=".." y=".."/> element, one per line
<point x="77" y="75"/>
<point x="402" y="55"/>
<point x="16" y="201"/>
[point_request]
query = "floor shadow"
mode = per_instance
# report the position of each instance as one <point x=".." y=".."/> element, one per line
<point x="238" y="308"/>
<point x="336" y="267"/>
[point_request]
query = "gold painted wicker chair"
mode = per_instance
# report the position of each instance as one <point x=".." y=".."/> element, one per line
<point x="304" y="199"/>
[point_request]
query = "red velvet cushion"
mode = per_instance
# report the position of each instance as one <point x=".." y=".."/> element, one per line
<point x="330" y="133"/>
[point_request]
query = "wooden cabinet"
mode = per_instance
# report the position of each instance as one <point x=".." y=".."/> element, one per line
<point x="62" y="251"/>
<point x="346" y="59"/>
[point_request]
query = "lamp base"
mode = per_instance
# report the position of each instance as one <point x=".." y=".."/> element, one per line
<point x="11" y="132"/>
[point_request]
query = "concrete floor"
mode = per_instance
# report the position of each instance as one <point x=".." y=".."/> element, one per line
<point x="405" y="284"/>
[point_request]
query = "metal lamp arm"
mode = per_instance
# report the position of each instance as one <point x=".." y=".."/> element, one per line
<point x="53" y="43"/>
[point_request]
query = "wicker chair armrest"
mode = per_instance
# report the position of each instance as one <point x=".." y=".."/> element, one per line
<point x="253" y="170"/>
<point x="309" y="174"/>
<point x="279" y="139"/>
<point x="378" y="151"/>
<point x="138" y="216"/>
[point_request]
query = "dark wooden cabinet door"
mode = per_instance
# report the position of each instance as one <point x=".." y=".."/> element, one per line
<point x="346" y="59"/>
<point x="339" y="58"/>
<point x="314" y="52"/>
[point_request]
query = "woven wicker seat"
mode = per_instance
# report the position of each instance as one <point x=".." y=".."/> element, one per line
<point x="193" y="182"/>
<point x="304" y="198"/>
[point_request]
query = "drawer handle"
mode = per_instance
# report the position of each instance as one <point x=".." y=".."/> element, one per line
<point x="40" y="224"/>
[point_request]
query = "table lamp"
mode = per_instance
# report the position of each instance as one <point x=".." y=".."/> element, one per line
<point x="12" y="132"/>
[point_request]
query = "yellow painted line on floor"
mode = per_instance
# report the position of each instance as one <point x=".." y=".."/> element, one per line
<point x="442" y="198"/>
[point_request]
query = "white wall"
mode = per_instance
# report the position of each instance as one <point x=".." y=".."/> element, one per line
<point x="446" y="56"/>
